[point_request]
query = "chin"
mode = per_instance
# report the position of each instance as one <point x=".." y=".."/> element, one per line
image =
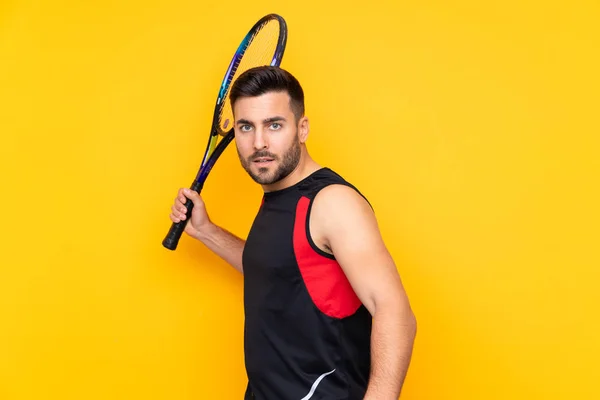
<point x="263" y="170"/>
<point x="264" y="176"/>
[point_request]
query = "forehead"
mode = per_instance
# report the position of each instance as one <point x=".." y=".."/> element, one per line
<point x="262" y="106"/>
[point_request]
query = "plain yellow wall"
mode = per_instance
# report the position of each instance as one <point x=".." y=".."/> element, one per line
<point x="471" y="126"/>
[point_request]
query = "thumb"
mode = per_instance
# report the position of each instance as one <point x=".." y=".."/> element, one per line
<point x="193" y="196"/>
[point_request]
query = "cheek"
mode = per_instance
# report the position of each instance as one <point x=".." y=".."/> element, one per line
<point x="244" y="149"/>
<point x="282" y="143"/>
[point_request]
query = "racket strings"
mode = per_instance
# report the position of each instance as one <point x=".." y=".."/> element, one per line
<point x="259" y="50"/>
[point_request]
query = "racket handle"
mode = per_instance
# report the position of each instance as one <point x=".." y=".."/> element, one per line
<point x="177" y="228"/>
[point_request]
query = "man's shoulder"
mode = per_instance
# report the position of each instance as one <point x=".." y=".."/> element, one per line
<point x="325" y="179"/>
<point x="340" y="191"/>
<point x="339" y="195"/>
<point x="339" y="200"/>
<point x="339" y="209"/>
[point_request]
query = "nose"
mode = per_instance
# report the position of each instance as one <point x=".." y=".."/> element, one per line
<point x="259" y="139"/>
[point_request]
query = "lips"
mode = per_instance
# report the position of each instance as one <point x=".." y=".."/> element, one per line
<point x="263" y="160"/>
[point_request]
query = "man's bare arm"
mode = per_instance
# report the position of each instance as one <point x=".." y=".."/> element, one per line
<point x="348" y="226"/>
<point x="223" y="243"/>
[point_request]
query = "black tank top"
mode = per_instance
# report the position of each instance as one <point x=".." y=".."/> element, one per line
<point x="306" y="334"/>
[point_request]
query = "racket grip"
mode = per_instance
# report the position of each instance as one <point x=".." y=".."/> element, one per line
<point x="177" y="228"/>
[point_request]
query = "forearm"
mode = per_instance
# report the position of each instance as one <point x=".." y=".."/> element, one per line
<point x="223" y="243"/>
<point x="392" y="339"/>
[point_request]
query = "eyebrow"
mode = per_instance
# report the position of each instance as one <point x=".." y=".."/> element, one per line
<point x="265" y="121"/>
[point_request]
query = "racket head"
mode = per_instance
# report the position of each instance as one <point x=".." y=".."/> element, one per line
<point x="264" y="44"/>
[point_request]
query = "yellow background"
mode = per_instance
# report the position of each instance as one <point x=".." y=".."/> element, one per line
<point x="471" y="126"/>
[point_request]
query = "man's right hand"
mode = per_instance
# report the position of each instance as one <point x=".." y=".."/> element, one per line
<point x="199" y="221"/>
<point x="223" y="243"/>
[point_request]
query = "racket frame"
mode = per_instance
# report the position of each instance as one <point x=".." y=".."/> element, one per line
<point x="213" y="150"/>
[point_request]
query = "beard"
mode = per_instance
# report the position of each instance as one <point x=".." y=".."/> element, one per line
<point x="287" y="164"/>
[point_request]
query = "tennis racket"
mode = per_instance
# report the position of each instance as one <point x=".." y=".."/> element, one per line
<point x="264" y="44"/>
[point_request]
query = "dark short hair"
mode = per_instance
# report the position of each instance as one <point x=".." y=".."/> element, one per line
<point x="260" y="80"/>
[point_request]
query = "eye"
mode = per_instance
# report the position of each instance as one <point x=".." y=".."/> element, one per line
<point x="275" y="126"/>
<point x="245" y="128"/>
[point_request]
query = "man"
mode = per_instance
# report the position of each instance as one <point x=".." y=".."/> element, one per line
<point x="326" y="315"/>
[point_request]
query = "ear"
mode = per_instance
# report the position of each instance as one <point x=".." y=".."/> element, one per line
<point x="303" y="129"/>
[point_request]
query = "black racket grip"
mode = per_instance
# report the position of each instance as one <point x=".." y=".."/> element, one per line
<point x="177" y="228"/>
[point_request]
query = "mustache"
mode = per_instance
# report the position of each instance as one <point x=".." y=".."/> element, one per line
<point x="262" y="153"/>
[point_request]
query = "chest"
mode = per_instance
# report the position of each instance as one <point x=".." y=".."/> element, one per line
<point x="269" y="251"/>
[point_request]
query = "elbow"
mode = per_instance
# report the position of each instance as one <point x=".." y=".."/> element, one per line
<point x="411" y="323"/>
<point x="398" y="313"/>
<point x="408" y="320"/>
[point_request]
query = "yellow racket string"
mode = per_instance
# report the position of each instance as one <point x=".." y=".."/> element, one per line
<point x="260" y="51"/>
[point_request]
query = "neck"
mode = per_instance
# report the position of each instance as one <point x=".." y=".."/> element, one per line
<point x="305" y="167"/>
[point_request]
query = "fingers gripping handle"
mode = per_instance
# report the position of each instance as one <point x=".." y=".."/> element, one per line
<point x="177" y="228"/>
<point x="172" y="238"/>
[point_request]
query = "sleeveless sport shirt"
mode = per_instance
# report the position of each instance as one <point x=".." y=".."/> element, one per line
<point x="306" y="334"/>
